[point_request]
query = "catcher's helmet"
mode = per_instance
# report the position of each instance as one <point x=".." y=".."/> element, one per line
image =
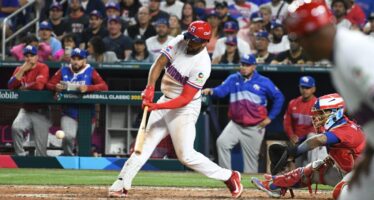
<point x="307" y="16"/>
<point x="198" y="31"/>
<point x="327" y="110"/>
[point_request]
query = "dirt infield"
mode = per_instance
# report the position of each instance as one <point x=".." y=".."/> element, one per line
<point x="143" y="193"/>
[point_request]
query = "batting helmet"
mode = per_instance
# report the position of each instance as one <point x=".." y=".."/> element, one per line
<point x="308" y="16"/>
<point x="327" y="110"/>
<point x="198" y="31"/>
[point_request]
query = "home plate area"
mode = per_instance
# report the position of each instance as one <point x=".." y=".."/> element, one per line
<point x="160" y="193"/>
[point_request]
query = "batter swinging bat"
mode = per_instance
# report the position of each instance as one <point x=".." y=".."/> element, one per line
<point x="141" y="133"/>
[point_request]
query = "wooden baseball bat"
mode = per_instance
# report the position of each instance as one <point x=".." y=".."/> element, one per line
<point x="141" y="133"/>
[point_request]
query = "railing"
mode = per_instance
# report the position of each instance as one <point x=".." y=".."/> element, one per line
<point x="34" y="21"/>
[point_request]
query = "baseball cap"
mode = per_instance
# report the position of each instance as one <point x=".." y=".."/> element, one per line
<point x="79" y="53"/>
<point x="256" y="17"/>
<point x="230" y="26"/>
<point x="30" y="50"/>
<point x="262" y="34"/>
<point x="162" y="21"/>
<point x="220" y="4"/>
<point x="231" y="41"/>
<point x="305" y="17"/>
<point x="45" y="25"/>
<point x="275" y="24"/>
<point x="248" y="59"/>
<point x="307" y="81"/>
<point x="113" y="5"/>
<point x="96" y="13"/>
<point x="55" y="5"/>
<point x="211" y="13"/>
<point x="114" y="18"/>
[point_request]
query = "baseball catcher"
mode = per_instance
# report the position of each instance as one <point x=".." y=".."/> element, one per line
<point x="344" y="140"/>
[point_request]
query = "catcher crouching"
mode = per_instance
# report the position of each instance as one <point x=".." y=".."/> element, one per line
<point x="344" y="140"/>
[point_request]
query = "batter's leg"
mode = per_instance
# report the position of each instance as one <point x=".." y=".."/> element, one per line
<point x="21" y="124"/>
<point x="70" y="127"/>
<point x="225" y="142"/>
<point x="250" y="142"/>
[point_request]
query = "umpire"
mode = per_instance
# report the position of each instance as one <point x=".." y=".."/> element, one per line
<point x="249" y="93"/>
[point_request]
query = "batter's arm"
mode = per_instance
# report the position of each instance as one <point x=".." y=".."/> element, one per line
<point x="156" y="69"/>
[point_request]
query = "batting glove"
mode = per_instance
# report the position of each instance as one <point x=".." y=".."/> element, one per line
<point x="152" y="106"/>
<point x="147" y="95"/>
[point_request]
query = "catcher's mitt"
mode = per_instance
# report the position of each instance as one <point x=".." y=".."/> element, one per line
<point x="279" y="157"/>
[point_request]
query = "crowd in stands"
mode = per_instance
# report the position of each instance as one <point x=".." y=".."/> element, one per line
<point x="136" y="30"/>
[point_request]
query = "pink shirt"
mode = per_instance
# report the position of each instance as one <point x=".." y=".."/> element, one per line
<point x="44" y="51"/>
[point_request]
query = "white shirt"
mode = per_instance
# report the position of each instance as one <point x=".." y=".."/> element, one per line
<point x="220" y="48"/>
<point x="274" y="10"/>
<point x="175" y="9"/>
<point x="183" y="68"/>
<point x="284" y="45"/>
<point x="154" y="46"/>
<point x="353" y="75"/>
<point x="345" y="23"/>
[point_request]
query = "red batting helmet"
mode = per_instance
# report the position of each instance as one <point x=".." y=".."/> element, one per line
<point x="307" y="16"/>
<point x="198" y="31"/>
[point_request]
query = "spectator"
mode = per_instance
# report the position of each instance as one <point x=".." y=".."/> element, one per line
<point x="199" y="8"/>
<point x="8" y="7"/>
<point x="248" y="33"/>
<point x="175" y="26"/>
<point x="77" y="20"/>
<point x="249" y="93"/>
<point x="95" y="28"/>
<point x="91" y="5"/>
<point x="370" y="27"/>
<point x="45" y="34"/>
<point x="278" y="9"/>
<point x="143" y="28"/>
<point x="188" y="16"/>
<point x="295" y="55"/>
<point x="68" y="44"/>
<point x="297" y="121"/>
<point x="140" y="52"/>
<point x="262" y="44"/>
<point x="231" y="55"/>
<point x="56" y="20"/>
<point x="279" y="41"/>
<point x="222" y="10"/>
<point x="339" y="8"/>
<point x="78" y="76"/>
<point x="31" y="75"/>
<point x="214" y="22"/>
<point x="172" y="7"/>
<point x="155" y="12"/>
<point x="97" y="53"/>
<point x="22" y="18"/>
<point x="265" y="12"/>
<point x="355" y="14"/>
<point x="113" y="9"/>
<point x="116" y="41"/>
<point x="242" y="10"/>
<point x="156" y="43"/>
<point x="128" y="11"/>
<point x="44" y="49"/>
<point x="230" y="30"/>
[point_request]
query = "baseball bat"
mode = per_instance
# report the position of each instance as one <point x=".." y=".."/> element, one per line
<point x="141" y="133"/>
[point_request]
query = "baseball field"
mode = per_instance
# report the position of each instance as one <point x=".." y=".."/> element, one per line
<point x="90" y="184"/>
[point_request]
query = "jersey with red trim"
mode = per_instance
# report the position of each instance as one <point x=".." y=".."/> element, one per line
<point x="351" y="145"/>
<point x="298" y="117"/>
<point x="184" y="68"/>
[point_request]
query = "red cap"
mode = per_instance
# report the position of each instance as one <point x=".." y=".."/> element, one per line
<point x="307" y="16"/>
<point x="200" y="29"/>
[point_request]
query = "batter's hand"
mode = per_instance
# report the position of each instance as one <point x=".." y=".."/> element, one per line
<point x="151" y="106"/>
<point x="207" y="91"/>
<point x="147" y="95"/>
<point x="264" y="123"/>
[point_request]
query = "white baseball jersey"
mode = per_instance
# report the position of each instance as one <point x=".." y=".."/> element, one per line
<point x="220" y="48"/>
<point x="353" y="76"/>
<point x="154" y="46"/>
<point x="183" y="68"/>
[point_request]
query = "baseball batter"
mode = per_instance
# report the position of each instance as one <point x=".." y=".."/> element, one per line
<point x="187" y="67"/>
<point x="78" y="76"/>
<point x="353" y="75"/>
<point x="297" y="121"/>
<point x="344" y="139"/>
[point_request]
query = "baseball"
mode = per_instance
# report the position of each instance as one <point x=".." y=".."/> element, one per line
<point x="60" y="134"/>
